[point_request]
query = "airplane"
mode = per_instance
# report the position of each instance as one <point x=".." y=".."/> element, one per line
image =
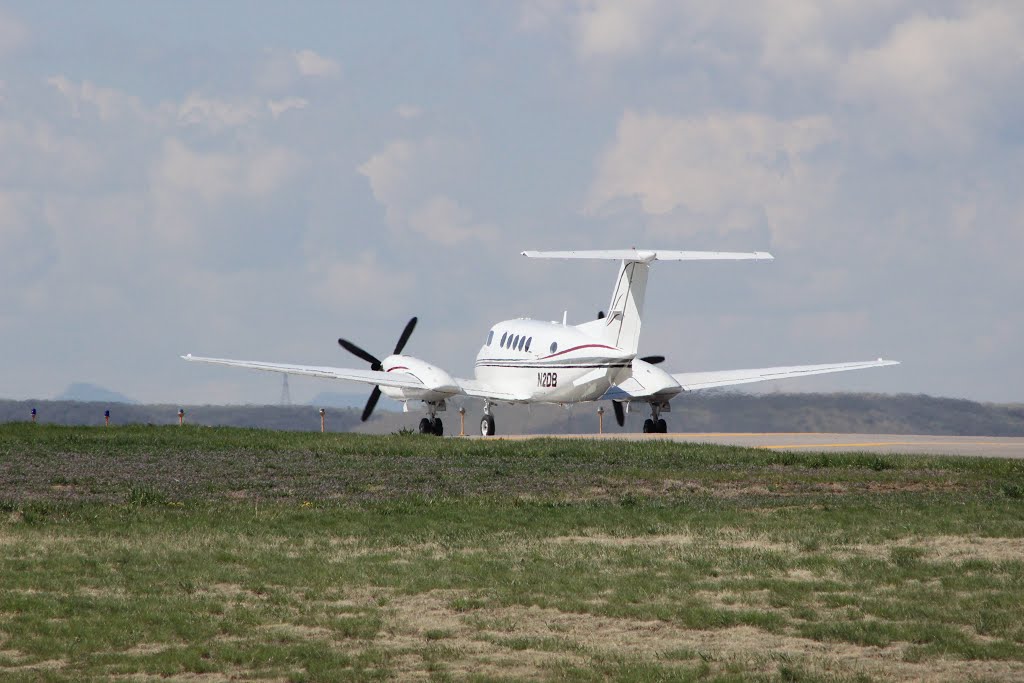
<point x="526" y="361"/>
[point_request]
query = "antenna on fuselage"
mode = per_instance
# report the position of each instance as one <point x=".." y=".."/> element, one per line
<point x="565" y="318"/>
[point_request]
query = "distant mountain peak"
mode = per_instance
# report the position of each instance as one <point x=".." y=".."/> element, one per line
<point x="84" y="391"/>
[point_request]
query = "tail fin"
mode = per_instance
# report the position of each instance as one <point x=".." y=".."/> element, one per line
<point x="625" y="312"/>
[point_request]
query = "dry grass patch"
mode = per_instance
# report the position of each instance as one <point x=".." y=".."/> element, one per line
<point x="509" y="640"/>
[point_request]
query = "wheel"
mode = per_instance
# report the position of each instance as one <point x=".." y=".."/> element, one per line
<point x="649" y="426"/>
<point x="425" y="427"/>
<point x="662" y="426"/>
<point x="487" y="425"/>
<point x="438" y="427"/>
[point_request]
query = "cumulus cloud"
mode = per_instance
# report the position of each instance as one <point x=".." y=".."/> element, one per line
<point x="712" y="164"/>
<point x="409" y="179"/>
<point x="442" y="219"/>
<point x="215" y="176"/>
<point x="937" y="71"/>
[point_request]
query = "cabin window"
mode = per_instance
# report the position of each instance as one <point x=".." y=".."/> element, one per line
<point x="503" y="336"/>
<point x="490" y="337"/>
<point x="528" y="344"/>
<point x="522" y="340"/>
<point x="515" y="342"/>
<point x="554" y="346"/>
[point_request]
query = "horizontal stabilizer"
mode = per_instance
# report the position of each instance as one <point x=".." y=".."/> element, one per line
<point x="648" y="255"/>
<point x="691" y="381"/>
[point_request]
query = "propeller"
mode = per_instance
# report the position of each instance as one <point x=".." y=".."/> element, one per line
<point x="620" y="413"/>
<point x="375" y="363"/>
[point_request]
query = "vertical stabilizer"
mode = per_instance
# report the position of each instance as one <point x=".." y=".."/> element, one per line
<point x="625" y="312"/>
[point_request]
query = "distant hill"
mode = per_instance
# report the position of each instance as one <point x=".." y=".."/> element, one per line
<point x="723" y="412"/>
<point x="83" y="391"/>
<point x="334" y="399"/>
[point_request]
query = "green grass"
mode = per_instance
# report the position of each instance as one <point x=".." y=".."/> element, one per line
<point x="170" y="552"/>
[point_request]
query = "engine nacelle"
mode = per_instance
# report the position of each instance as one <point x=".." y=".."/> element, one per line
<point x="438" y="384"/>
<point x="655" y="380"/>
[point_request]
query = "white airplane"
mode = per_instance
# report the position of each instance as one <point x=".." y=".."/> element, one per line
<point x="535" y="361"/>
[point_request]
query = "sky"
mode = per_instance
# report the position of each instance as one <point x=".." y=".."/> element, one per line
<point x="254" y="179"/>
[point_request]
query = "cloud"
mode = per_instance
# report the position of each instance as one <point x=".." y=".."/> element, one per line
<point x="443" y="220"/>
<point x="937" y="72"/>
<point x="38" y="155"/>
<point x="348" y="283"/>
<point x="279" y="107"/>
<point x="286" y="69"/>
<point x="217" y="114"/>
<point x="107" y="103"/>
<point x="410" y="179"/>
<point x="712" y="164"/>
<point x="215" y="176"/>
<point x="312" y="64"/>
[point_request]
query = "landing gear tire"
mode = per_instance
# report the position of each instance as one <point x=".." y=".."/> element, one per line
<point x="662" y="426"/>
<point x="487" y="426"/>
<point x="425" y="427"/>
<point x="649" y="426"/>
<point x="438" y="427"/>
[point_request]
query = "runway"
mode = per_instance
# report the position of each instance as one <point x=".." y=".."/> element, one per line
<point x="975" y="446"/>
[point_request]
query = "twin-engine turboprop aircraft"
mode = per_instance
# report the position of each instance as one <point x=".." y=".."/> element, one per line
<point x="533" y="361"/>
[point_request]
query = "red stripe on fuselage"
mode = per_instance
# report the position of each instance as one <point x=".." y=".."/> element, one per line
<point x="577" y="348"/>
<point x="398" y="367"/>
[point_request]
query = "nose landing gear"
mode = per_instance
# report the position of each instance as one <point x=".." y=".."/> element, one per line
<point x="487" y="422"/>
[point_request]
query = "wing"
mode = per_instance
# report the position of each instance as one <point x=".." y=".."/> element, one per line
<point x="477" y="389"/>
<point x="691" y="381"/>
<point x="385" y="379"/>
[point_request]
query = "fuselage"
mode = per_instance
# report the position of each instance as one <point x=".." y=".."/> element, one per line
<point x="537" y="362"/>
<point x="549" y="362"/>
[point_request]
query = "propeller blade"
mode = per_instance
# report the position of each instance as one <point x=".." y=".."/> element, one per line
<point x="600" y="314"/>
<point x="620" y="414"/>
<point x="371" y="403"/>
<point x="406" y="333"/>
<point x="653" y="360"/>
<point x="374" y="362"/>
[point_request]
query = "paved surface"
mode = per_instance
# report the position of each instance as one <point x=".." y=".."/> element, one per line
<point x="978" y="446"/>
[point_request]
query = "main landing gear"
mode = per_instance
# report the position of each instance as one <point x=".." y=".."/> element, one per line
<point x="431" y="426"/>
<point x="432" y="423"/>
<point x="487" y="422"/>
<point x="655" y="424"/>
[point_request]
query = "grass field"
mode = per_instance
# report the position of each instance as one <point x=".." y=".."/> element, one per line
<point x="211" y="554"/>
